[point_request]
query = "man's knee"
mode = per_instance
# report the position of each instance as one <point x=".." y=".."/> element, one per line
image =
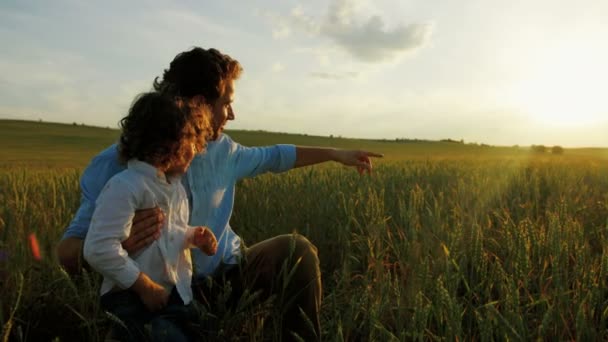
<point x="296" y="245"/>
<point x="69" y="253"/>
<point x="268" y="258"/>
<point x="298" y="249"/>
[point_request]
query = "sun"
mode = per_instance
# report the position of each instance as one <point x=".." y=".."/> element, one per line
<point x="566" y="87"/>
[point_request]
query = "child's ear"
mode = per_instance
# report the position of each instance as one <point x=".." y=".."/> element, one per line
<point x="197" y="101"/>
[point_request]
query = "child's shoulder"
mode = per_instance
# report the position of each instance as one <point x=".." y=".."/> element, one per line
<point x="127" y="180"/>
<point x="130" y="186"/>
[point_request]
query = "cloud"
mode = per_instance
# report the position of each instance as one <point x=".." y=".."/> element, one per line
<point x="281" y="32"/>
<point x="277" y="67"/>
<point x="334" y="75"/>
<point x="366" y="38"/>
<point x="303" y="21"/>
<point x="369" y="40"/>
<point x="323" y="59"/>
<point x="281" y="25"/>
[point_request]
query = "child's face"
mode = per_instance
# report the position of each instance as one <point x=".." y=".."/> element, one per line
<point x="180" y="166"/>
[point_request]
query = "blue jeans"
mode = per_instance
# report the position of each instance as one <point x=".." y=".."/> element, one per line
<point x="169" y="324"/>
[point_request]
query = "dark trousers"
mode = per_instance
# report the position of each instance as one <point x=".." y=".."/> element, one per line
<point x="281" y="273"/>
<point x="169" y="324"/>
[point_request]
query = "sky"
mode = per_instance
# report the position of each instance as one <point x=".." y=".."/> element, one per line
<point x="487" y="71"/>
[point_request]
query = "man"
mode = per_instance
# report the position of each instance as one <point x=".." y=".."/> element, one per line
<point x="207" y="77"/>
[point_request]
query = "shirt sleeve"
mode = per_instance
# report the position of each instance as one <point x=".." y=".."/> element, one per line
<point x="187" y="235"/>
<point x="94" y="177"/>
<point x="183" y="231"/>
<point x="252" y="161"/>
<point x="110" y="225"/>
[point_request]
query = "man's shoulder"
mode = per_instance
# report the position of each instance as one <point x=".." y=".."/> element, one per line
<point x="223" y="140"/>
<point x="108" y="158"/>
<point x="223" y="146"/>
<point x="110" y="152"/>
<point x="101" y="168"/>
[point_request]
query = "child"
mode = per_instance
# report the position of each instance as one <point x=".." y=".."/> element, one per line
<point x="160" y="137"/>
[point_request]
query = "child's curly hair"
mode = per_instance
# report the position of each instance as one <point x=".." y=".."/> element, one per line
<point x="160" y="129"/>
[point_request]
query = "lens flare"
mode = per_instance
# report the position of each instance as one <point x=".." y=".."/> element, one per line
<point x="35" y="247"/>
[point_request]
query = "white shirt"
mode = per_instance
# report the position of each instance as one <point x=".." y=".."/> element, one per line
<point x="167" y="260"/>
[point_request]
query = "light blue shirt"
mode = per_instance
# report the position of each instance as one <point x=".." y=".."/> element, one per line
<point x="209" y="183"/>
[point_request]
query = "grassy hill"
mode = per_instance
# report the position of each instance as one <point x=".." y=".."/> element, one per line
<point x="42" y="144"/>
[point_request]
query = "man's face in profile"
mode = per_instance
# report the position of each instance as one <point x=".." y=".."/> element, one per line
<point x="221" y="110"/>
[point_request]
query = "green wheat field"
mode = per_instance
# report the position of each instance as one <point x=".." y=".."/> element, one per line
<point x="445" y="241"/>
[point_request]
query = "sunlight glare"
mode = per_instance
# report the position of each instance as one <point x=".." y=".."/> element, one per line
<point x="567" y="88"/>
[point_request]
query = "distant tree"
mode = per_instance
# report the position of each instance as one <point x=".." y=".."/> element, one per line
<point x="453" y="141"/>
<point x="557" y="149"/>
<point x="74" y="124"/>
<point x="539" y="148"/>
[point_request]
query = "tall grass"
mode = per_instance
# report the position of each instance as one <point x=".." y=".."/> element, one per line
<point x="426" y="249"/>
<point x="46" y="301"/>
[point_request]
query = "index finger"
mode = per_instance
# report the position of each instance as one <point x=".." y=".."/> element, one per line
<point x="373" y="154"/>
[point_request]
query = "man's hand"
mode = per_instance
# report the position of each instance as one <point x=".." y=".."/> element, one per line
<point x="314" y="155"/>
<point x="151" y="294"/>
<point x="69" y="253"/>
<point x="147" y="224"/>
<point x="360" y="159"/>
<point x="204" y="239"/>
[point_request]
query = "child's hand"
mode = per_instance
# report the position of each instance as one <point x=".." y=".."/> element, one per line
<point x="151" y="294"/>
<point x="205" y="240"/>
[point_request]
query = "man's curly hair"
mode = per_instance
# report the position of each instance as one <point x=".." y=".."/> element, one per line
<point x="198" y="72"/>
<point x="159" y="130"/>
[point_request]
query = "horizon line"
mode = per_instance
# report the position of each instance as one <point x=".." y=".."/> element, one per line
<point x="331" y="136"/>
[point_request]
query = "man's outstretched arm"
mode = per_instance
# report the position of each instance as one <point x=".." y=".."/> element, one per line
<point x="314" y="155"/>
<point x="252" y="161"/>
